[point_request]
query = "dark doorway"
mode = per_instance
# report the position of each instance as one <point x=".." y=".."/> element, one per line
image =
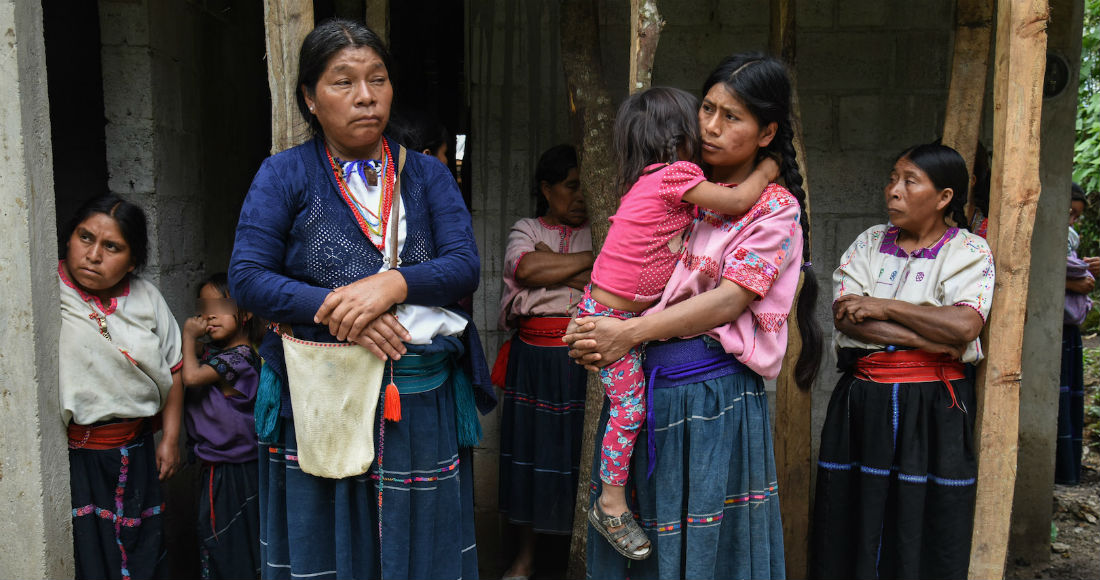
<point x="74" y="82"/>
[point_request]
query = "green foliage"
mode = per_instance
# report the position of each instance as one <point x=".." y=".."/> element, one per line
<point x="1086" y="157"/>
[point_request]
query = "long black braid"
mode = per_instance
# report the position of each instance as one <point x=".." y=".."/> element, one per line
<point x="805" y="370"/>
<point x="760" y="82"/>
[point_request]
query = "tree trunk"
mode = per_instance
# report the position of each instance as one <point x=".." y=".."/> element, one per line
<point x="645" y="31"/>
<point x="592" y="118"/>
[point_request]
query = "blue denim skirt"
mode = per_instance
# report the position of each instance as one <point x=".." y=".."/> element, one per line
<point x="711" y="507"/>
<point x="330" y="528"/>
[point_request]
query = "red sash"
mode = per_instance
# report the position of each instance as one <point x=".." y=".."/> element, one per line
<point x="534" y="330"/>
<point x="111" y="435"/>
<point x="911" y="366"/>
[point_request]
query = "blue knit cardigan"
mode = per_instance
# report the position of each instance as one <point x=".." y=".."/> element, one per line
<point x="297" y="239"/>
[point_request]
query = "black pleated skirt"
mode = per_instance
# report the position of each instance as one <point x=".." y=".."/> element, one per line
<point x="895" y="481"/>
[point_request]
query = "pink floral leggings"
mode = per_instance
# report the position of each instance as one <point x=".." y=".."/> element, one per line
<point x="624" y="383"/>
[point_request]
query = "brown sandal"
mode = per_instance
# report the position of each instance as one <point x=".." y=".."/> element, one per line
<point x="630" y="540"/>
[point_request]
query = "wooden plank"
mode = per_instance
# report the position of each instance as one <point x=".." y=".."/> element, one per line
<point x="378" y="18"/>
<point x="794" y="406"/>
<point x="793" y="452"/>
<point x="591" y="116"/>
<point x="962" y="124"/>
<point x="645" y="32"/>
<point x="286" y="24"/>
<point x="1014" y="196"/>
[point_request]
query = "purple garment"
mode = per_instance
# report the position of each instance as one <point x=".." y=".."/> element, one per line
<point x="222" y="428"/>
<point x="1077" y="306"/>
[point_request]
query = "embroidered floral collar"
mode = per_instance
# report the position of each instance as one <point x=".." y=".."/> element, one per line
<point x="890" y="244"/>
<point x="111" y="305"/>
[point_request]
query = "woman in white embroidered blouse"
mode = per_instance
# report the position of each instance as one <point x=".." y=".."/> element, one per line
<point x="896" y="472"/>
<point x="119" y="380"/>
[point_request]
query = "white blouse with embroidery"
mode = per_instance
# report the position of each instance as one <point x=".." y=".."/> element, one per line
<point x="956" y="270"/>
<point x="126" y="376"/>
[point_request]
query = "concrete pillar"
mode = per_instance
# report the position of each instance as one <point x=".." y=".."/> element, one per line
<point x="1031" y="509"/>
<point x="35" y="511"/>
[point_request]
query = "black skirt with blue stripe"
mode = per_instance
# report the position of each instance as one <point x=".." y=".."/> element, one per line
<point x="895" y="481"/>
<point x="542" y="418"/>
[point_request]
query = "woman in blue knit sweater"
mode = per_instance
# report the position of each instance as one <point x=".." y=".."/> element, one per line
<point x="312" y="254"/>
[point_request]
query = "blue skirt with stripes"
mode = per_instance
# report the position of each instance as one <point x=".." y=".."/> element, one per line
<point x="895" y="481"/>
<point x="317" y="528"/>
<point x="711" y="507"/>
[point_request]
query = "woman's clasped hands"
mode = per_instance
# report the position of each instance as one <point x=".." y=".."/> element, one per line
<point x="360" y="313"/>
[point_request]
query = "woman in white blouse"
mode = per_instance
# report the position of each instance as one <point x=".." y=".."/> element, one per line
<point x="119" y="362"/>
<point x="896" y="472"/>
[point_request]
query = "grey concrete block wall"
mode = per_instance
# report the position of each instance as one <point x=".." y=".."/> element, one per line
<point x="152" y="108"/>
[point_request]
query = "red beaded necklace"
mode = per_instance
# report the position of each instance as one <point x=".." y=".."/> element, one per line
<point x="389" y="181"/>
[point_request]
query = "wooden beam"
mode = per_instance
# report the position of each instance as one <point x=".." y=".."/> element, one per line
<point x="1014" y="196"/>
<point x="378" y="18"/>
<point x="286" y="24"/>
<point x="794" y="405"/>
<point x="645" y="31"/>
<point x="962" y="124"/>
<point x="591" y="116"/>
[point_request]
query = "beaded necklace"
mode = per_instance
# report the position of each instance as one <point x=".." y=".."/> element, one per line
<point x="388" y="179"/>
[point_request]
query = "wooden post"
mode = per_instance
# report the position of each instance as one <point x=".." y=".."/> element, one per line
<point x="592" y="117"/>
<point x="794" y="405"/>
<point x="962" y="124"/>
<point x="1014" y="196"/>
<point x="645" y="31"/>
<point x="286" y="24"/>
<point x="378" y="18"/>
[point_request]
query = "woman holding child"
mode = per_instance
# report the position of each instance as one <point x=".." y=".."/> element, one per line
<point x="709" y="508"/>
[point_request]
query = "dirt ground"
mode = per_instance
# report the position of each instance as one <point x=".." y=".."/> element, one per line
<point x="1075" y="541"/>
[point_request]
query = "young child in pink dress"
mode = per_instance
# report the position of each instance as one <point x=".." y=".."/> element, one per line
<point x="656" y="142"/>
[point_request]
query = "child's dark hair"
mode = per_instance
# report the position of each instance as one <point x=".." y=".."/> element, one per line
<point x="653" y="126"/>
<point x="1077" y="193"/>
<point x="946" y="168"/>
<point x="553" y="168"/>
<point x="760" y="83"/>
<point x="253" y="328"/>
<point x="129" y="217"/>
<point x="417" y="130"/>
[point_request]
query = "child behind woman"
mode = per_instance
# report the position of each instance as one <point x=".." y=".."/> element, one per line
<point x="222" y="376"/>
<point x="657" y="142"/>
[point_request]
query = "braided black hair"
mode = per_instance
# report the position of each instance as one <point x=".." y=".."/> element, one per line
<point x="760" y="83"/>
<point x="946" y="169"/>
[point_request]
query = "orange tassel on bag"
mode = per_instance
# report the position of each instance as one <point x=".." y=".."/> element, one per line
<point x="391" y="405"/>
<point x="392" y="410"/>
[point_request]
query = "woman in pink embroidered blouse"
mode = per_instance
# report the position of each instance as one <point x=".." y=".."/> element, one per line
<point x="704" y="471"/>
